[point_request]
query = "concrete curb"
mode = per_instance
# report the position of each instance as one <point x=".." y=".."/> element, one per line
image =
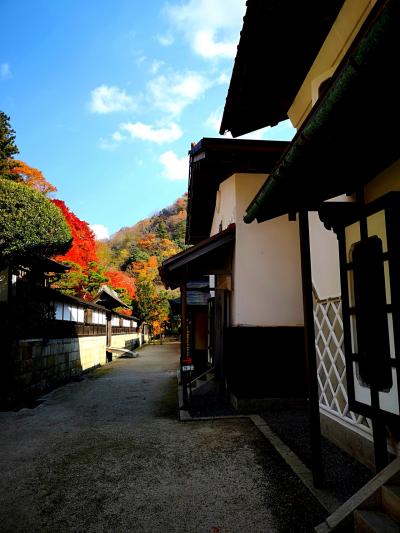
<point x="325" y="497"/>
<point x="328" y="501"/>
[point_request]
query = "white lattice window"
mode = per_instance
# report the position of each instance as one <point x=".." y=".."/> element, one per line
<point x="331" y="363"/>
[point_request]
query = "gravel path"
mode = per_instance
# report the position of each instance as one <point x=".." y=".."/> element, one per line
<point x="343" y="475"/>
<point x="108" y="454"/>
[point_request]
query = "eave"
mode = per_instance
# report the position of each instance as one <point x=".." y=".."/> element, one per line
<point x="351" y="133"/>
<point x="108" y="298"/>
<point x="211" y="256"/>
<point x="278" y="43"/>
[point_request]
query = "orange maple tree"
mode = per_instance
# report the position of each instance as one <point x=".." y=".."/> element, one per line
<point x="32" y="177"/>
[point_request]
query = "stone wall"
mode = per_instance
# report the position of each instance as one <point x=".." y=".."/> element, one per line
<point x="41" y="365"/>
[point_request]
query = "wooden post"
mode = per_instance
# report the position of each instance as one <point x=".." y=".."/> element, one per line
<point x="378" y="426"/>
<point x="315" y="428"/>
<point x="184" y="339"/>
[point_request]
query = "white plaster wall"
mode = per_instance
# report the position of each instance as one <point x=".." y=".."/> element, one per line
<point x="267" y="275"/>
<point x="128" y="340"/>
<point x="225" y="205"/>
<point x="92" y="351"/>
<point x="324" y="259"/>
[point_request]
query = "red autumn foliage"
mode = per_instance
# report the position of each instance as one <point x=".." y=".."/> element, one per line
<point x="83" y="249"/>
<point x="120" y="280"/>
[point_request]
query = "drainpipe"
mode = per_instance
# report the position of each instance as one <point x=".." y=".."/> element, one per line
<point x="311" y="361"/>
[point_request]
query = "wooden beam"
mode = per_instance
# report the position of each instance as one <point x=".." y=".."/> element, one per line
<point x="313" y="399"/>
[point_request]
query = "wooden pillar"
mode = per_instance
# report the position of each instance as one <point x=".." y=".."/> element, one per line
<point x="378" y="426"/>
<point x="184" y="339"/>
<point x="315" y="428"/>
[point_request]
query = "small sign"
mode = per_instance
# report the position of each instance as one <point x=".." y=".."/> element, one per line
<point x="187" y="368"/>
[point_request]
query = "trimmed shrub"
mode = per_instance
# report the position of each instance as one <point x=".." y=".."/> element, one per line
<point x="30" y="224"/>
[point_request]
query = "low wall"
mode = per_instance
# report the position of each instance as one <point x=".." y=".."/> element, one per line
<point x="348" y="439"/>
<point x="41" y="365"/>
<point x="92" y="351"/>
<point x="128" y="341"/>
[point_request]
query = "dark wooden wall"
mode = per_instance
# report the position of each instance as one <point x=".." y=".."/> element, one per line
<point x="265" y="362"/>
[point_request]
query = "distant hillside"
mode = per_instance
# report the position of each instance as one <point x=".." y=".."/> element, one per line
<point x="160" y="235"/>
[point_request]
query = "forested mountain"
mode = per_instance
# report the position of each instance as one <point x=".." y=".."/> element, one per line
<point x="160" y="235"/>
<point x="136" y="252"/>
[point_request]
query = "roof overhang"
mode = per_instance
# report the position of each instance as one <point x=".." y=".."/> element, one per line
<point x="213" y="160"/>
<point x="41" y="264"/>
<point x="108" y="298"/>
<point x="211" y="256"/>
<point x="351" y="133"/>
<point x="278" y="44"/>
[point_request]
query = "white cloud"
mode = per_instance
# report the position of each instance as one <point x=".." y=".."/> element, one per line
<point x="223" y="79"/>
<point x="175" y="168"/>
<point x="165" y="40"/>
<point x="5" y="71"/>
<point x="204" y="44"/>
<point x="100" y="231"/>
<point x="117" y="136"/>
<point x="172" y="93"/>
<point x="155" y="66"/>
<point x="214" y="119"/>
<point x="106" y="99"/>
<point x="146" y="132"/>
<point x="140" y="60"/>
<point x="105" y="144"/>
<point x="212" y="28"/>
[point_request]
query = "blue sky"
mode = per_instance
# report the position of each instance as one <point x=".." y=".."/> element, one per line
<point x="106" y="97"/>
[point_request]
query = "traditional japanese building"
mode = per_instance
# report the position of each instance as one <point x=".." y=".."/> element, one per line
<point x="340" y="178"/>
<point x="255" y="325"/>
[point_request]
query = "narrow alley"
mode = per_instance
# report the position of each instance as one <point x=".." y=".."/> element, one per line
<point x="107" y="453"/>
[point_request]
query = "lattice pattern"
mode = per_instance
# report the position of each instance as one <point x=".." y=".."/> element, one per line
<point x="331" y="364"/>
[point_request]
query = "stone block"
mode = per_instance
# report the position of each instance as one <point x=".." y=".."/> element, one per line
<point x="74" y="356"/>
<point x="59" y="358"/>
<point x="37" y="349"/>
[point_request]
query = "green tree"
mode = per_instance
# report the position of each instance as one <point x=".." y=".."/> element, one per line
<point x="30" y="225"/>
<point x="96" y="277"/>
<point x="161" y="231"/>
<point x="8" y="148"/>
<point x="80" y="281"/>
<point x="180" y="234"/>
<point x="143" y="304"/>
<point x="137" y="254"/>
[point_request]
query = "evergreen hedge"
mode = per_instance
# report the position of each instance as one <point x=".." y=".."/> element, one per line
<point x="30" y="224"/>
